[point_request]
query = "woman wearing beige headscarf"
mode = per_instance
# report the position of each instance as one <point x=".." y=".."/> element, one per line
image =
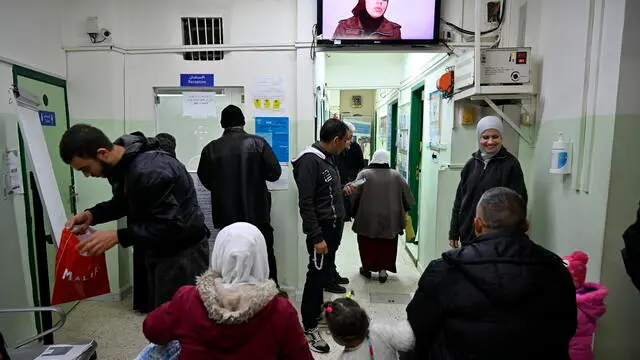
<point x="380" y="205"/>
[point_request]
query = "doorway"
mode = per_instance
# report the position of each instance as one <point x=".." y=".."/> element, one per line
<point x="415" y="155"/>
<point x="52" y="94"/>
<point x="393" y="133"/>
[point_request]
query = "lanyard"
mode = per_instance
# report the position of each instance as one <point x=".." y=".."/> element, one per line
<point x="370" y="348"/>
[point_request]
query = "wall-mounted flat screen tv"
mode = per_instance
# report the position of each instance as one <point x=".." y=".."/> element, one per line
<point x="378" y="21"/>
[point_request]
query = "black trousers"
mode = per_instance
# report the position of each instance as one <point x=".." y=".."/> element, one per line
<point x="167" y="274"/>
<point x="313" y="294"/>
<point x="332" y="275"/>
<point x="267" y="232"/>
<point x="140" y="281"/>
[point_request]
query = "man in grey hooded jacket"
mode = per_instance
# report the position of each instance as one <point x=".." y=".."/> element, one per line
<point x="322" y="211"/>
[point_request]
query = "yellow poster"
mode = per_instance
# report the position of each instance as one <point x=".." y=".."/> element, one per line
<point x="267" y="104"/>
<point x="257" y="103"/>
<point x="276" y="104"/>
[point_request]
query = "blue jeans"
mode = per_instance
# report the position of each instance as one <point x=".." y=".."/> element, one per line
<point x="171" y="351"/>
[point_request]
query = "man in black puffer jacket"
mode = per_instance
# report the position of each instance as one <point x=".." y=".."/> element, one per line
<point x="501" y="297"/>
<point x="234" y="168"/>
<point x="156" y="194"/>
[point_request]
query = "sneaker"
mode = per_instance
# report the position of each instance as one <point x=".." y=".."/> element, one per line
<point x="316" y="342"/>
<point x="335" y="289"/>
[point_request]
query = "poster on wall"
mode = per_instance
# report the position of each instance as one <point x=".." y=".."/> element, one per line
<point x="383" y="133"/>
<point x="276" y="131"/>
<point x="435" y="102"/>
<point x="197" y="104"/>
<point x="268" y="96"/>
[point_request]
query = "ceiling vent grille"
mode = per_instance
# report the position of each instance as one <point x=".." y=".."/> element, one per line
<point x="202" y="31"/>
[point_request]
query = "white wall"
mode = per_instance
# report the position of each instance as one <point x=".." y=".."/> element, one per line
<point x="616" y="337"/>
<point x="564" y="219"/>
<point x="31" y="35"/>
<point x="354" y="70"/>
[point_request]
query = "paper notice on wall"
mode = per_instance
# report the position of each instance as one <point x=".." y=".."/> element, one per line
<point x="268" y="96"/>
<point x="198" y="104"/>
<point x="283" y="182"/>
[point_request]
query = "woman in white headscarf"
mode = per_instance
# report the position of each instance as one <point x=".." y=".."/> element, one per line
<point x="380" y="205"/>
<point x="234" y="311"/>
<point x="491" y="166"/>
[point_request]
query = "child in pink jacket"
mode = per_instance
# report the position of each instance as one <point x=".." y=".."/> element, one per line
<point x="591" y="306"/>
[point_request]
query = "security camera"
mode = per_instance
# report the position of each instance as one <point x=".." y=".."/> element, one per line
<point x="100" y="36"/>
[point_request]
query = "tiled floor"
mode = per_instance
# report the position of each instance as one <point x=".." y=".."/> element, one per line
<point x="118" y="330"/>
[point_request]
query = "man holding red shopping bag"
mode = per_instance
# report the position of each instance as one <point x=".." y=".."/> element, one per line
<point x="156" y="194"/>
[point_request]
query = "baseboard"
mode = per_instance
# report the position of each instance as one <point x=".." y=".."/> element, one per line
<point x="123" y="294"/>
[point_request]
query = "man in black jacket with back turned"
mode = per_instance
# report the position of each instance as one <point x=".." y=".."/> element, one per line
<point x="156" y="194"/>
<point x="234" y="168"/>
<point x="500" y="297"/>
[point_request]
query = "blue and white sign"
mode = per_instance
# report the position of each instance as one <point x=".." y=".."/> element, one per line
<point x="276" y="131"/>
<point x="196" y="80"/>
<point x="47" y="118"/>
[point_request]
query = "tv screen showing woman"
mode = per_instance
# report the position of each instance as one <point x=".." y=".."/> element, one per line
<point x="379" y="20"/>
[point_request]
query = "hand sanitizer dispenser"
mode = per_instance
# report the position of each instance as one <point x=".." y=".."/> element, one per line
<point x="560" y="156"/>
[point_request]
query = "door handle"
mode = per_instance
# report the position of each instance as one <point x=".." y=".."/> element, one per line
<point x="73" y="195"/>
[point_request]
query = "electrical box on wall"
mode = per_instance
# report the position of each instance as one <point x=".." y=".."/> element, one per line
<point x="501" y="66"/>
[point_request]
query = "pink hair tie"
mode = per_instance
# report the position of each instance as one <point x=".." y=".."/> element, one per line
<point x="329" y="309"/>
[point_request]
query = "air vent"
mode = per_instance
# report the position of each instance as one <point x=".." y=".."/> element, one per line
<point x="202" y="31"/>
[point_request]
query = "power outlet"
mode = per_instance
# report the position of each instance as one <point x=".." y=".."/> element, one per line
<point x="447" y="35"/>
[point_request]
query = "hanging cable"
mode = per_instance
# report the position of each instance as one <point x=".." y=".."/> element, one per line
<point x="314" y="42"/>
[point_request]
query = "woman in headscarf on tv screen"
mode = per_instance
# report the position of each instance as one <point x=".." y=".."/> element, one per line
<point x="368" y="22"/>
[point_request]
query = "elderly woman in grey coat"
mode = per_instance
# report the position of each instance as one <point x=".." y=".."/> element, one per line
<point x="380" y="205"/>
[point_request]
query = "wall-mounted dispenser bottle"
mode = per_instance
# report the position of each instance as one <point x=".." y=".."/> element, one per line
<point x="560" y="156"/>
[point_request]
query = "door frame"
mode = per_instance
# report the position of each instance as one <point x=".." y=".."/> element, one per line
<point x="415" y="145"/>
<point x="392" y="118"/>
<point x="38" y="263"/>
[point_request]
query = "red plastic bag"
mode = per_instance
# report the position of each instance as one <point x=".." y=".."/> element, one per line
<point x="78" y="276"/>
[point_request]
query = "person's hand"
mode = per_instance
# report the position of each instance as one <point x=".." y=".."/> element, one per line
<point x="80" y="223"/>
<point x="321" y="248"/>
<point x="349" y="189"/>
<point x="454" y="244"/>
<point x="98" y="243"/>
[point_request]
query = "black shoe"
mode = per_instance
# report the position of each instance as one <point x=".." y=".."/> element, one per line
<point x="335" y="289"/>
<point x="341" y="280"/>
<point x="365" y="273"/>
<point x="383" y="276"/>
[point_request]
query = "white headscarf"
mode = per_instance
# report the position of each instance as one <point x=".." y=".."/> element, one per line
<point x="381" y="157"/>
<point x="240" y="255"/>
<point x="488" y="123"/>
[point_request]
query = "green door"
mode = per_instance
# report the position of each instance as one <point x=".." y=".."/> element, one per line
<point x="53" y="99"/>
<point x="415" y="149"/>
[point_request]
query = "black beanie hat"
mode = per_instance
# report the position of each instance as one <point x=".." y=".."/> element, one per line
<point x="231" y="116"/>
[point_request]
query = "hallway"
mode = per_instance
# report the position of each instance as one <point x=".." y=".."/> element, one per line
<point x="118" y="331"/>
